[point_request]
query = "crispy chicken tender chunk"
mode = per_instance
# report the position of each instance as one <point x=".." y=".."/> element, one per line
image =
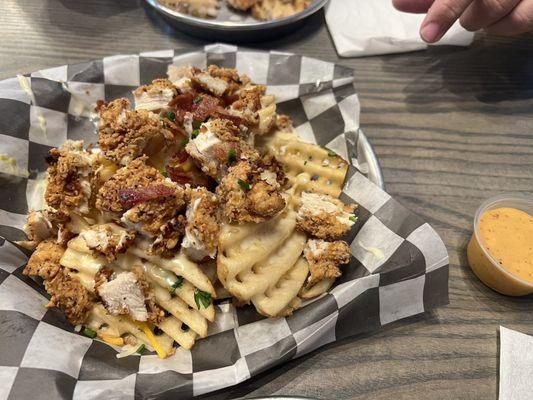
<point x="217" y="146"/>
<point x="181" y="77"/>
<point x="122" y="295"/>
<point x="324" y="217"/>
<point x="324" y="259"/>
<point x="275" y="9"/>
<point x="251" y="191"/>
<point x="198" y="8"/>
<point x="242" y="5"/>
<point x="155" y="313"/>
<point x="155" y="96"/>
<point x="248" y="103"/>
<point x="202" y="229"/>
<point x="69" y="177"/>
<point x="43" y="224"/>
<point x="231" y="76"/>
<point x="69" y="295"/>
<point x="108" y="239"/>
<point x="124" y="133"/>
<point x="159" y="219"/>
<point x="135" y="175"/>
<point x="44" y="262"/>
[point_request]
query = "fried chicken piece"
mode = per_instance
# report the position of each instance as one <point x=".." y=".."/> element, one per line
<point x="125" y="133"/>
<point x="43" y="224"/>
<point x="108" y="239"/>
<point x="202" y="229"/>
<point x="70" y="168"/>
<point x="210" y="83"/>
<point x="155" y="313"/>
<point x="70" y="296"/>
<point x="44" y="262"/>
<point x="251" y="191"/>
<point x="324" y="259"/>
<point x="248" y="104"/>
<point x="265" y="10"/>
<point x="102" y="276"/>
<point x="137" y="174"/>
<point x="123" y="296"/>
<point x="242" y="5"/>
<point x="181" y="77"/>
<point x="217" y="146"/>
<point x="159" y="219"/>
<point x="155" y="96"/>
<point x="231" y="76"/>
<point x="197" y="8"/>
<point x="324" y="217"/>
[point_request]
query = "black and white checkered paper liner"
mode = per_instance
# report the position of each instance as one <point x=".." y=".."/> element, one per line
<point x="40" y="353"/>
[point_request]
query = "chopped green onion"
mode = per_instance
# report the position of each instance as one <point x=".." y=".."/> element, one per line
<point x="196" y="124"/>
<point x="176" y="284"/>
<point x="141" y="349"/>
<point x="184" y="142"/>
<point x="165" y="174"/>
<point x="185" y="327"/>
<point x="353" y="218"/>
<point x="314" y="178"/>
<point x="331" y="153"/>
<point x="89" y="333"/>
<point x="171" y="116"/>
<point x="202" y="298"/>
<point x="195" y="134"/>
<point x="232" y="156"/>
<point x="305" y="162"/>
<point x="244" y="185"/>
<point x="197" y="99"/>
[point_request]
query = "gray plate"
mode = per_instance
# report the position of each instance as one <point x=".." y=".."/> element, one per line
<point x="231" y="25"/>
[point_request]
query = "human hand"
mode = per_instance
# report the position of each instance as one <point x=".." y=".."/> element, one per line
<point x="501" y="17"/>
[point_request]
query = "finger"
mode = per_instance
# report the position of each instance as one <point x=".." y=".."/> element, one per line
<point x="441" y="16"/>
<point x="518" y="21"/>
<point x="482" y="13"/>
<point x="412" y="6"/>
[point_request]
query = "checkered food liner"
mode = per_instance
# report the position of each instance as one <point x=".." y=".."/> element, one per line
<point x="399" y="265"/>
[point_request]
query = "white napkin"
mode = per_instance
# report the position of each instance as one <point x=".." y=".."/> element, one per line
<point x="370" y="27"/>
<point x="516" y="365"/>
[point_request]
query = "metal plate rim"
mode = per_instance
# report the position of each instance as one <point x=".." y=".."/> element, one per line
<point x="229" y="26"/>
<point x="375" y="173"/>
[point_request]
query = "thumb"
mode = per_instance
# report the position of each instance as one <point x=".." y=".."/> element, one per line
<point x="440" y="17"/>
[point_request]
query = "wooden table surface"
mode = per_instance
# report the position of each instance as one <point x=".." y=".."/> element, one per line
<point x="451" y="127"/>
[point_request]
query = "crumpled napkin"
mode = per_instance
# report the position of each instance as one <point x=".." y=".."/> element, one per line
<point x="371" y="27"/>
<point x="516" y="365"/>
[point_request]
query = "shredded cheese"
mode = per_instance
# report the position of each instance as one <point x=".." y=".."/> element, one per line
<point x="153" y="341"/>
<point x="117" y="341"/>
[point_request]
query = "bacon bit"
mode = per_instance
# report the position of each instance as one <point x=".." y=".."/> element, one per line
<point x="131" y="197"/>
<point x="183" y="101"/>
<point x="180" y="177"/>
<point x="237" y="121"/>
<point x="229" y="99"/>
<point x="206" y="107"/>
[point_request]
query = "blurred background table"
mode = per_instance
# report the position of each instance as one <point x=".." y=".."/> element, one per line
<point x="451" y="127"/>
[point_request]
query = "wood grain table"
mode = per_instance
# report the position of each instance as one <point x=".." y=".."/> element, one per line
<point x="451" y="127"/>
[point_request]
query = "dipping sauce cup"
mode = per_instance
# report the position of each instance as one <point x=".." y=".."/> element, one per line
<point x="488" y="264"/>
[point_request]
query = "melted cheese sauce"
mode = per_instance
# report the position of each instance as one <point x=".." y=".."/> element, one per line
<point x="507" y="234"/>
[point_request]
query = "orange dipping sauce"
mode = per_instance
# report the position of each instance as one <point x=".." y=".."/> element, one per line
<point x="506" y="234"/>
